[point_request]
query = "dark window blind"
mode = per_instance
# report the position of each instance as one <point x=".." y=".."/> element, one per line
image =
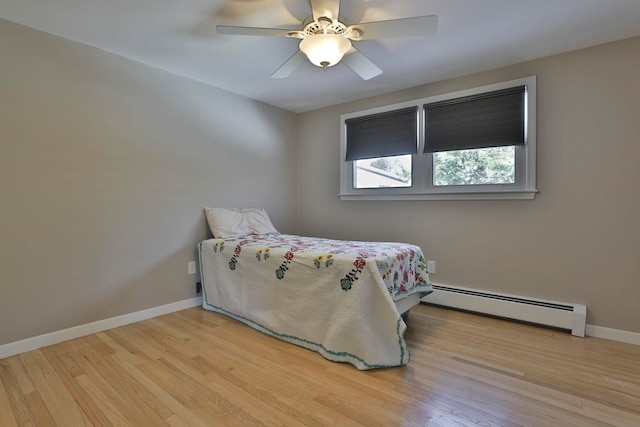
<point x="491" y="119"/>
<point x="392" y="133"/>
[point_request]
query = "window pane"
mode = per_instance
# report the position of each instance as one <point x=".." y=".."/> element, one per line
<point x="474" y="167"/>
<point x="387" y="172"/>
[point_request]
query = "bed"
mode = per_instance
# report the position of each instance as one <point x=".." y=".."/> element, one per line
<point x="341" y="299"/>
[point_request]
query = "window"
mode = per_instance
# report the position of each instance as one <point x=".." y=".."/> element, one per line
<point x="381" y="146"/>
<point x="473" y="144"/>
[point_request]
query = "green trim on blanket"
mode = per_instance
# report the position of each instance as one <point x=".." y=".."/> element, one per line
<point x="400" y="339"/>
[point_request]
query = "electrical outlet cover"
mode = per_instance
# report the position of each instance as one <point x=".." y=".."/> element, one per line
<point x="431" y="267"/>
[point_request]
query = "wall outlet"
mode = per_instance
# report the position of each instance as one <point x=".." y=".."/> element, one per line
<point x="191" y="267"/>
<point x="431" y="267"/>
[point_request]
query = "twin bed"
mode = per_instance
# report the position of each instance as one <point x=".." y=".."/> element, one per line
<point x="342" y="299"/>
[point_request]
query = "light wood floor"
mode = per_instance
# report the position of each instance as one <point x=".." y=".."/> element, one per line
<point x="198" y="368"/>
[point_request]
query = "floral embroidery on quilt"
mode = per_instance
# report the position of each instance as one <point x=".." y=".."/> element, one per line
<point x="233" y="262"/>
<point x="263" y="254"/>
<point x="219" y="246"/>
<point x="347" y="282"/>
<point x="422" y="266"/>
<point x="284" y="267"/>
<point x="234" y="259"/>
<point x="326" y="260"/>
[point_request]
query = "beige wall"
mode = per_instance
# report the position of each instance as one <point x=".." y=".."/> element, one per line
<point x="105" y="166"/>
<point x="577" y="241"/>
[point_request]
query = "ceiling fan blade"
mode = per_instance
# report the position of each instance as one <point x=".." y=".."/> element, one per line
<point x="359" y="63"/>
<point x="289" y="66"/>
<point x="328" y="8"/>
<point x="254" y="31"/>
<point x="403" y="27"/>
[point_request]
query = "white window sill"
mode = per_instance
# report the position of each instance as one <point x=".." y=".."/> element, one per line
<point x="494" y="195"/>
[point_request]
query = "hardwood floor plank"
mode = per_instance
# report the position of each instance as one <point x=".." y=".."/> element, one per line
<point x="57" y="398"/>
<point x="39" y="412"/>
<point x="163" y="392"/>
<point x="176" y="421"/>
<point x="7" y="408"/>
<point x="63" y="363"/>
<point x="12" y="399"/>
<point x="111" y="412"/>
<point x="26" y="385"/>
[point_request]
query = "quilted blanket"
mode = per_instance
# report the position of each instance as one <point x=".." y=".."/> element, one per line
<point x="330" y="296"/>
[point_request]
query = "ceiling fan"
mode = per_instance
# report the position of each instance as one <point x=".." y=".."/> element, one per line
<point x="325" y="40"/>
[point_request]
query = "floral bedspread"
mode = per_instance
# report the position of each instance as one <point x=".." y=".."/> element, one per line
<point x="331" y="296"/>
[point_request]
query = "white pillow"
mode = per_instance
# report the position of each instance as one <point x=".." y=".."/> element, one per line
<point x="233" y="222"/>
<point x="226" y="222"/>
<point x="259" y="222"/>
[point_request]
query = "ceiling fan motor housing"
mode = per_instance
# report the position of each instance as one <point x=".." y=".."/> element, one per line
<point x="323" y="25"/>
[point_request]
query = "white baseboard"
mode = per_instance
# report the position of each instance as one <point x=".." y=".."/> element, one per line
<point x="40" y="341"/>
<point x="613" y="334"/>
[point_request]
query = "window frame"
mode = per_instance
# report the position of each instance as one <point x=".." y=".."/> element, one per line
<point x="423" y="187"/>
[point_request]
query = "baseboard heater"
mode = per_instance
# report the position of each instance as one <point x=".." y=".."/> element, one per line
<point x="571" y="317"/>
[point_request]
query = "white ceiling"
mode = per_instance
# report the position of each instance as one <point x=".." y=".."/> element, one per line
<point x="473" y="35"/>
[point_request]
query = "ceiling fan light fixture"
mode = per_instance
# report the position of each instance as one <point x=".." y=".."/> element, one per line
<point x="325" y="50"/>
